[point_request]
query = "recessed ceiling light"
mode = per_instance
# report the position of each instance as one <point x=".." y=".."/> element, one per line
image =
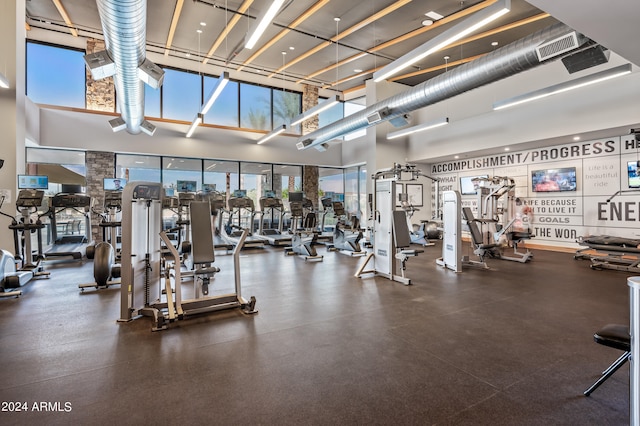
<point x="456" y="156"/>
<point x="199" y="31"/>
<point x="139" y="162"/>
<point x="292" y="48"/>
<point x="576" y="138"/>
<point x="433" y="15"/>
<point x="336" y="19"/>
<point x="427" y="22"/>
<point x="283" y="52"/>
<point x="494" y="43"/>
<point x="188" y="55"/>
<point x="204" y="24"/>
<point x="507" y="149"/>
<point x="357" y="70"/>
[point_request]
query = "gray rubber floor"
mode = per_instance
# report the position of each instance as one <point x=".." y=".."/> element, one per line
<point x="508" y="346"/>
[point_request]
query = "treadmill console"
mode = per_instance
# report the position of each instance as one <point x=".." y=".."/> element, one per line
<point x="71" y="200"/>
<point x="30" y="198"/>
<point x="113" y="199"/>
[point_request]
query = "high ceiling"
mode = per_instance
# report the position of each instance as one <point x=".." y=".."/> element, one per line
<point x="345" y="53"/>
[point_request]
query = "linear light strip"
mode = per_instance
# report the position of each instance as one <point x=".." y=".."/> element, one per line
<point x="222" y="81"/>
<point x="196" y="122"/>
<point x="563" y="87"/>
<point x="4" y="81"/>
<point x="275" y="132"/>
<point x="419" y="128"/>
<point x="322" y="106"/>
<point x="262" y="22"/>
<point x="474" y="22"/>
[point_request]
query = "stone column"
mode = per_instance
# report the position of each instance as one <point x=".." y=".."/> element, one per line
<point x="309" y="100"/>
<point x="99" y="165"/>
<point x="100" y="94"/>
<point x="310" y="177"/>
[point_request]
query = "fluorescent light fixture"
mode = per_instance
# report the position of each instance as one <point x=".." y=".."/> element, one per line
<point x="322" y="106"/>
<point x="4" y="81"/>
<point x="261" y="23"/>
<point x="469" y="25"/>
<point x="196" y="122"/>
<point x="564" y="87"/>
<point x="215" y="92"/>
<point x="419" y="128"/>
<point x="275" y="132"/>
<point x="434" y="15"/>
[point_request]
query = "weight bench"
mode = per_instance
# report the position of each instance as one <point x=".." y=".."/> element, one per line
<point x="402" y="238"/>
<point x="615" y="336"/>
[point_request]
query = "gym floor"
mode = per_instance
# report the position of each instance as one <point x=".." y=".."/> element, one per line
<point x="508" y="346"/>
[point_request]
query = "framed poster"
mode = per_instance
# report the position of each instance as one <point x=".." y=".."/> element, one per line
<point x="399" y="190"/>
<point x="414" y="193"/>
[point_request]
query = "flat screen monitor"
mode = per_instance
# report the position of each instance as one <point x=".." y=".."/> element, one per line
<point x="240" y="193"/>
<point x="296" y="197"/>
<point x="208" y="187"/>
<point x="115" y="184"/>
<point x="554" y="180"/>
<point x="33" y="182"/>
<point x="338" y="197"/>
<point x="633" y="173"/>
<point x="187" y="185"/>
<point x="169" y="192"/>
<point x="270" y="194"/>
<point x="467" y="186"/>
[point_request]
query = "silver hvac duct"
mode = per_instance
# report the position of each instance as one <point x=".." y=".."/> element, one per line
<point x="124" y="28"/>
<point x="511" y="59"/>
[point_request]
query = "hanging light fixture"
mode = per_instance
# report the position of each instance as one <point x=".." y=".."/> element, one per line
<point x="419" y="128"/>
<point x="215" y="92"/>
<point x="311" y="112"/>
<point x="474" y="22"/>
<point x="564" y="87"/>
<point x="262" y="22"/>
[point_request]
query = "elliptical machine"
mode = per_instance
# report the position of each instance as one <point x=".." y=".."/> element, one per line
<point x="28" y="202"/>
<point x="346" y="236"/>
<point x="303" y="228"/>
<point x="106" y="256"/>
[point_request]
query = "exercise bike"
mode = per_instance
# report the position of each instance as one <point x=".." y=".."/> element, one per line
<point x="346" y="237"/>
<point x="11" y="277"/>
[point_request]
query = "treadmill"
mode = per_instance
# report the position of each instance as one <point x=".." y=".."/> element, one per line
<point x="216" y="202"/>
<point x="273" y="211"/>
<point x="237" y="205"/>
<point x="70" y="226"/>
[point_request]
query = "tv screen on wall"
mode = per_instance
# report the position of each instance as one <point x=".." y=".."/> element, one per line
<point x="33" y="182"/>
<point x="187" y="185"/>
<point x="467" y="186"/>
<point x="114" y="184"/>
<point x="633" y="173"/>
<point x="554" y="180"/>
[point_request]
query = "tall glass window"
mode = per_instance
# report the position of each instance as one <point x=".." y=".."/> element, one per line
<point x="255" y="107"/>
<point x="351" y="199"/>
<point x="181" y="174"/>
<point x="362" y="191"/>
<point x="330" y="184"/>
<point x="223" y="174"/>
<point x="255" y="178"/>
<point x="144" y="168"/>
<point x="181" y="95"/>
<point x="286" y="105"/>
<point x="56" y="76"/>
<point x="351" y="108"/>
<point x="225" y="109"/>
<point x="152" y="102"/>
<point x="331" y="115"/>
<point x="286" y="179"/>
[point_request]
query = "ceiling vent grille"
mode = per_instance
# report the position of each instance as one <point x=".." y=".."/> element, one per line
<point x="557" y="46"/>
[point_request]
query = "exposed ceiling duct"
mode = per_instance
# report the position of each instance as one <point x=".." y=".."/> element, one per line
<point x="504" y="62"/>
<point x="124" y="25"/>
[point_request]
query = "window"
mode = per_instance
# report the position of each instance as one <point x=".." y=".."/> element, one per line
<point x="351" y="200"/>
<point x="255" y="111"/>
<point x="330" y="115"/>
<point x="222" y="174"/>
<point x="330" y="183"/>
<point x="225" y="109"/>
<point x="144" y="168"/>
<point x="152" y="102"/>
<point x="181" y="95"/>
<point x="55" y="76"/>
<point x="286" y="105"/>
<point x="255" y="178"/>
<point x="286" y="179"/>
<point x="181" y="174"/>
<point x="351" y="108"/>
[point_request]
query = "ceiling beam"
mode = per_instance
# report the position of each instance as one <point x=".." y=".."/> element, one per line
<point x="174" y="23"/>
<point x="398" y="4"/>
<point x="306" y="14"/>
<point x="62" y="11"/>
<point x="232" y="23"/>
<point x="404" y="37"/>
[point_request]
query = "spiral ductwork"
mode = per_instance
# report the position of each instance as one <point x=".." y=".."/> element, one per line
<point x="502" y="63"/>
<point x="124" y="25"/>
